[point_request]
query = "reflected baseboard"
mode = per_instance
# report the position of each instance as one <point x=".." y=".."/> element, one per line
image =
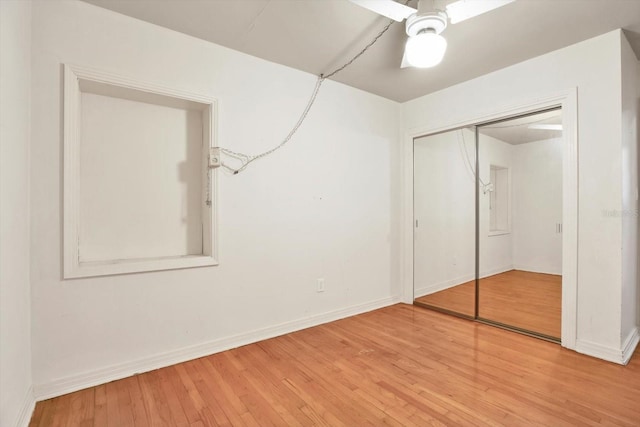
<point x="441" y="286"/>
<point x="530" y="269"/>
<point x="420" y="291"/>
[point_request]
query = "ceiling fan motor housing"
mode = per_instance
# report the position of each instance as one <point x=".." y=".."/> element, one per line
<point x="434" y="21"/>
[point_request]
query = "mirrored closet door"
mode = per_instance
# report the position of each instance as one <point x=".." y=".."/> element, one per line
<point x="520" y="223"/>
<point x="488" y="246"/>
<point x="444" y="222"/>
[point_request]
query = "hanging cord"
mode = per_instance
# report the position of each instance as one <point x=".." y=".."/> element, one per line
<point x="245" y="159"/>
<point x="467" y="162"/>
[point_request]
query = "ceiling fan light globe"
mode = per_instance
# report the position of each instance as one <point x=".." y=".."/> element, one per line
<point x="425" y="50"/>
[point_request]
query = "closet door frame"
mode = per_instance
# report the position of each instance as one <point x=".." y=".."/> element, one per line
<point x="566" y="100"/>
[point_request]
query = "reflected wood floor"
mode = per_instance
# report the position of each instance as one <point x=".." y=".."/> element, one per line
<point x="400" y="366"/>
<point x="531" y="301"/>
<point x="459" y="299"/>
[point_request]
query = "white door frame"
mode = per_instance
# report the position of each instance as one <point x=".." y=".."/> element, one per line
<point x="568" y="101"/>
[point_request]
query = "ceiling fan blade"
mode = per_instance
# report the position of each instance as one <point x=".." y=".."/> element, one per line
<point x="405" y="62"/>
<point x="462" y="10"/>
<point x="389" y="8"/>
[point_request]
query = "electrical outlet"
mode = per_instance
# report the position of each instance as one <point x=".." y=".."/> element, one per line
<point x="320" y="285"/>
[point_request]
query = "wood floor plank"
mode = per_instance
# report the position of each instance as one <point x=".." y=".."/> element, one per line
<point x="196" y="400"/>
<point x="256" y="405"/>
<point x="100" y="406"/>
<point x="36" y="416"/>
<point x="122" y="402"/>
<point x="178" y="415"/>
<point x="341" y="390"/>
<point x="155" y="402"/>
<point x="138" y="410"/>
<point x="232" y="407"/>
<point x="268" y="382"/>
<point x="208" y="405"/>
<point x="62" y="412"/>
<point x="81" y="411"/>
<point x="180" y="391"/>
<point x="398" y="366"/>
<point x="46" y="413"/>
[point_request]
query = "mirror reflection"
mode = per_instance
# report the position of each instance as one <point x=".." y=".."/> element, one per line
<point x="520" y="223"/>
<point x="444" y="222"/>
<point x="489" y="247"/>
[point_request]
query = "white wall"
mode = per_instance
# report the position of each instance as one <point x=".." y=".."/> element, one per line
<point x="593" y="67"/>
<point x="16" y="399"/>
<point x="630" y="111"/>
<point x="537" y="206"/>
<point x="320" y="207"/>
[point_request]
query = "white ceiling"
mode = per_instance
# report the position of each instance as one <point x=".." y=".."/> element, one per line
<point x="316" y="36"/>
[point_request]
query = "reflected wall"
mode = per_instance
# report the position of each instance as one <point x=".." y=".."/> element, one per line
<point x="489" y="247"/>
<point x="520" y="223"/>
<point x="444" y="221"/>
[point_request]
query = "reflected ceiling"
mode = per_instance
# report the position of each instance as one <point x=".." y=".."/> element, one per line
<point x="535" y="127"/>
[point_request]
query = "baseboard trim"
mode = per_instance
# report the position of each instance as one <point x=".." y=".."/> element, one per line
<point x="115" y="372"/>
<point x="26" y="410"/>
<point x="630" y="344"/>
<point x="620" y="356"/>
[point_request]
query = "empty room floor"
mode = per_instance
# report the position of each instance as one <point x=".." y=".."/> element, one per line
<point x="531" y="301"/>
<point x="401" y="365"/>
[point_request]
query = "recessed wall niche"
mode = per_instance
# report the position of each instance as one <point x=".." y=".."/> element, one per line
<point x="138" y="194"/>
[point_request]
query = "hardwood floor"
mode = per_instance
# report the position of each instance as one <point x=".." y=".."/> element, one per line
<point x="401" y="365"/>
<point x="531" y="301"/>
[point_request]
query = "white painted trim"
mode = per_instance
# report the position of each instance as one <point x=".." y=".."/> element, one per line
<point x="73" y="266"/>
<point x="570" y="219"/>
<point x="600" y="351"/>
<point x="629" y="345"/>
<point x="101" y="376"/>
<point x="111" y="78"/>
<point x="616" y="355"/>
<point x="407" y="217"/>
<point x="26" y="409"/>
<point x="568" y="100"/>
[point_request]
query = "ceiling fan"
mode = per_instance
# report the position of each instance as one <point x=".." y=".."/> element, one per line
<point x="425" y="46"/>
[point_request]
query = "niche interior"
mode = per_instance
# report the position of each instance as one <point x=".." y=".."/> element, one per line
<point x="138" y="193"/>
